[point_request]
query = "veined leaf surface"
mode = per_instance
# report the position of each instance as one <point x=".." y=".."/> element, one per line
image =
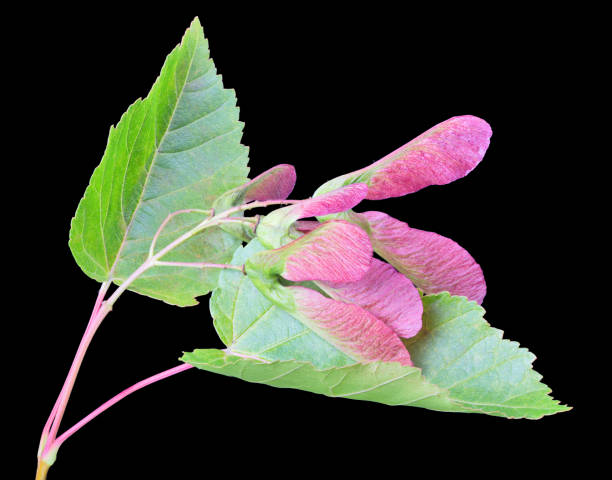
<point x="388" y="383"/>
<point x="179" y="148"/>
<point x="459" y="351"/>
<point x="464" y="365"/>
<point x="250" y="324"/>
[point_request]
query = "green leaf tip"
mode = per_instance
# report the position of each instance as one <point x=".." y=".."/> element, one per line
<point x="459" y="351"/>
<point x="178" y="148"/>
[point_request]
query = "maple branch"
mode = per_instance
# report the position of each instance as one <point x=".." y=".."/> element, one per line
<point x="49" y="443"/>
<point x="52" y="425"/>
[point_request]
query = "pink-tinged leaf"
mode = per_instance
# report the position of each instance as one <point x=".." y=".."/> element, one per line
<point x="433" y="262"/>
<point x="336" y="251"/>
<point x="386" y="294"/>
<point x="349" y="327"/>
<point x="273" y="229"/>
<point x="273" y="184"/>
<point x="444" y="153"/>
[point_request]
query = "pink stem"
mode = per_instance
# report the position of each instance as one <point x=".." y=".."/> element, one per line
<point x="116" y="398"/>
<point x="53" y="423"/>
<point x="48" y="437"/>
<point x="165" y="222"/>
<point x="97" y="305"/>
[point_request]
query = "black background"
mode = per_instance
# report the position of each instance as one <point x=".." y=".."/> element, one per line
<point x="328" y="91"/>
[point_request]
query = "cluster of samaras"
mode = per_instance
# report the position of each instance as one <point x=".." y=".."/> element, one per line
<point x="369" y="304"/>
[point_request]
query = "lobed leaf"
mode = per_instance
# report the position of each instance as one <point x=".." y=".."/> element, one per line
<point x="388" y="383"/>
<point x="464" y="365"/>
<point x="459" y="351"/>
<point x="179" y="148"/>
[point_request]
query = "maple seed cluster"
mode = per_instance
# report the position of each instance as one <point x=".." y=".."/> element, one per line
<point x="361" y="303"/>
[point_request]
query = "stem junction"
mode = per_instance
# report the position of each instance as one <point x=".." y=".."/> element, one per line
<point x="50" y="441"/>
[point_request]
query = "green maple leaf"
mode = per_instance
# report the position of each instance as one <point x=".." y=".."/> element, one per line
<point x="461" y="363"/>
<point x="179" y="148"/>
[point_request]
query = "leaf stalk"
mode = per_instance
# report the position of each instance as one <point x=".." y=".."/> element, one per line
<point x="137" y="386"/>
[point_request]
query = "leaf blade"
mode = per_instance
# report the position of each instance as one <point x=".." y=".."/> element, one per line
<point x="251" y="325"/>
<point x="388" y="383"/>
<point x="459" y="351"/>
<point x="178" y="148"/>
